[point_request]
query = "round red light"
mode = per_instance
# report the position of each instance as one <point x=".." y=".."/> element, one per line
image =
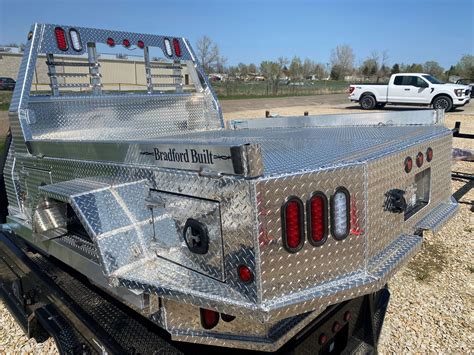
<point x="408" y="164"/>
<point x="141" y="44"/>
<point x="111" y="42"/>
<point x="336" y="327"/>
<point x="419" y="159"/>
<point x="429" y="154"/>
<point x="209" y="319"/>
<point x="126" y="43"/>
<point x="245" y="274"/>
<point x="323" y="339"/>
<point x="347" y="316"/>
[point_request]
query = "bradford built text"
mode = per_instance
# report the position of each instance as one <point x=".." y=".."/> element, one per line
<point x="186" y="156"/>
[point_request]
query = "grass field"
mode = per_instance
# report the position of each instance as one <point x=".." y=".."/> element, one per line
<point x="239" y="90"/>
<point x="5" y="97"/>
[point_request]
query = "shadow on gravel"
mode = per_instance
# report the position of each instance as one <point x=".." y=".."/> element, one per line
<point x="431" y="259"/>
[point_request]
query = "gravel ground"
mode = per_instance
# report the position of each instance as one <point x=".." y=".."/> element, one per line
<point x="431" y="308"/>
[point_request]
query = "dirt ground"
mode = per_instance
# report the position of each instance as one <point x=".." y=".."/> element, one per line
<point x="432" y="303"/>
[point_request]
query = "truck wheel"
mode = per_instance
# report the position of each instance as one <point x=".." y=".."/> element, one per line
<point x="443" y="103"/>
<point x="380" y="105"/>
<point x="368" y="102"/>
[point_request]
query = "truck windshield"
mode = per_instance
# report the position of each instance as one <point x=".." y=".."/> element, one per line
<point x="432" y="79"/>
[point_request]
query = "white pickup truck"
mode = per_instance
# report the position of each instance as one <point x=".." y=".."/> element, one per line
<point x="411" y="89"/>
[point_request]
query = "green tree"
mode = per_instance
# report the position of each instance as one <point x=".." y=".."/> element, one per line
<point x="414" y="68"/>
<point x="465" y="66"/>
<point x="395" y="69"/>
<point x="369" y="67"/>
<point x="432" y="67"/>
<point x="337" y="72"/>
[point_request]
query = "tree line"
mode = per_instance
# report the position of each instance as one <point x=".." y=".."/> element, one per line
<point x="342" y="66"/>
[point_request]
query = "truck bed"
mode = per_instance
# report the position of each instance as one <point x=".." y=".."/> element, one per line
<point x="294" y="150"/>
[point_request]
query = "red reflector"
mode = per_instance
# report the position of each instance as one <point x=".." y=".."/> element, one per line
<point x="111" y="42"/>
<point x="408" y="164"/>
<point x="419" y="159"/>
<point x="126" y="43"/>
<point x="141" y="44"/>
<point x="429" y="154"/>
<point x="317" y="218"/>
<point x="177" y="47"/>
<point x="209" y="319"/>
<point x="245" y="274"/>
<point x="292" y="223"/>
<point x="61" y="38"/>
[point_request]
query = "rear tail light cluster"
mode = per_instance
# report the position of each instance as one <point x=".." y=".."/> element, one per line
<point x="209" y="318"/>
<point x="293" y="217"/>
<point x="62" y="42"/>
<point x="419" y="159"/>
<point x="351" y="89"/>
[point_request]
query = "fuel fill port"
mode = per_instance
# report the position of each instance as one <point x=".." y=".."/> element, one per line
<point x="196" y="236"/>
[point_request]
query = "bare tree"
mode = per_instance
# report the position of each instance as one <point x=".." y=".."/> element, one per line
<point x="273" y="71"/>
<point x="296" y="68"/>
<point x="342" y="58"/>
<point x="208" y="53"/>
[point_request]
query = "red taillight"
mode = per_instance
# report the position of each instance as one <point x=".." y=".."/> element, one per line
<point x="141" y="44"/>
<point x="209" y="319"/>
<point x="317" y="218"/>
<point x="177" y="47"/>
<point x="429" y="154"/>
<point x="111" y="42"/>
<point x="408" y="164"/>
<point x="351" y="89"/>
<point x="126" y="43"/>
<point x="61" y="38"/>
<point x="245" y="274"/>
<point x="419" y="159"/>
<point x="292" y="224"/>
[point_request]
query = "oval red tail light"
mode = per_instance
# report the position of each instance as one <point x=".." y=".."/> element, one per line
<point x="317" y="218"/>
<point x="209" y="319"/>
<point x="292" y="224"/>
<point x="61" y="39"/>
<point x="429" y="155"/>
<point x="419" y="159"/>
<point x="408" y="164"/>
<point x="177" y="47"/>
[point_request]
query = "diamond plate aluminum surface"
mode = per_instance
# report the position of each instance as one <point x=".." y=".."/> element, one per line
<point x="388" y="173"/>
<point x="170" y="215"/>
<point x="120" y="117"/>
<point x="284" y="273"/>
<point x="109" y="191"/>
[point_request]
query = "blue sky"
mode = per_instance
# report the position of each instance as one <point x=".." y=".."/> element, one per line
<point x="251" y="31"/>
